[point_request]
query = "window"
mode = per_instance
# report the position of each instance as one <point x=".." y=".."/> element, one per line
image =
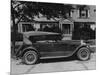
<point x="66" y="29"/>
<point x="84" y="13"/>
<point x="69" y="14"/>
<point x="49" y="27"/>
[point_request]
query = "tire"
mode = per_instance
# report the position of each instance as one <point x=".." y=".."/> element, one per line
<point x="30" y="57"/>
<point x="83" y="54"/>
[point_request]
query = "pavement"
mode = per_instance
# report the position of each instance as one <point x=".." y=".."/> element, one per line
<point x="53" y="65"/>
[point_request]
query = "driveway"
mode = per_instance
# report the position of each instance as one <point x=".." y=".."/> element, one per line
<point x="53" y="65"/>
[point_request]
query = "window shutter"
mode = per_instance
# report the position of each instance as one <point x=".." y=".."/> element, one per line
<point x="78" y="11"/>
<point x="88" y="13"/>
<point x="70" y="13"/>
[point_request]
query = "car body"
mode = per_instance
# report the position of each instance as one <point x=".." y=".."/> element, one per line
<point x="43" y="45"/>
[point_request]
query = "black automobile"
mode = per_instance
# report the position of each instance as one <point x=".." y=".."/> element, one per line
<point x="44" y="45"/>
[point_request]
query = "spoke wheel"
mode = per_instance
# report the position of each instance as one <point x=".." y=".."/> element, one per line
<point x="30" y="57"/>
<point x="83" y="54"/>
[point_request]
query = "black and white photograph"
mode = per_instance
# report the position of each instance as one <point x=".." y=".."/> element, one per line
<point x="52" y="37"/>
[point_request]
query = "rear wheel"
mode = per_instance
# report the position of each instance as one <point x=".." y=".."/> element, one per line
<point x="30" y="57"/>
<point x="83" y="54"/>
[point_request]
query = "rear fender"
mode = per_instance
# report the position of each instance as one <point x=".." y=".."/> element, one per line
<point x="28" y="49"/>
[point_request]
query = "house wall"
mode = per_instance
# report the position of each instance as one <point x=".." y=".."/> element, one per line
<point x="90" y="21"/>
<point x="92" y="14"/>
<point x="74" y="17"/>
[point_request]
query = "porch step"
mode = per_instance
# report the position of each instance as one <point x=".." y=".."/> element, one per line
<point x="67" y="37"/>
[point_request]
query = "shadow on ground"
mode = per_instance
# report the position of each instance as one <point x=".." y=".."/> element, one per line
<point x="57" y="60"/>
<point x="53" y="60"/>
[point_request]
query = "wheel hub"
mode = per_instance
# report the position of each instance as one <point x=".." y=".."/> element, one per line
<point x="30" y="57"/>
<point x="83" y="54"/>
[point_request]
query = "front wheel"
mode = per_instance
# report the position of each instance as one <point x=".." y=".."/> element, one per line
<point x="83" y="54"/>
<point x="30" y="57"/>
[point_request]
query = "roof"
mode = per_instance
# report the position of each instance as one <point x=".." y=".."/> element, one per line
<point x="84" y="20"/>
<point x="66" y="21"/>
<point x="43" y="19"/>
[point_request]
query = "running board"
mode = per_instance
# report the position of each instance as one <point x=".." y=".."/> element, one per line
<point x="53" y="57"/>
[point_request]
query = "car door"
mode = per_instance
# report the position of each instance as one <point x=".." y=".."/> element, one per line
<point x="46" y="48"/>
<point x="64" y="48"/>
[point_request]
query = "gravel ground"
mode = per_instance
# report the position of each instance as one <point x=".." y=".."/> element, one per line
<point x="52" y="65"/>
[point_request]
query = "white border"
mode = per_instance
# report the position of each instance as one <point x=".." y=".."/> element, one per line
<point x="5" y="36"/>
<point x="90" y="2"/>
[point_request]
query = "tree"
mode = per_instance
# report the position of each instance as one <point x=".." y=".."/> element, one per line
<point x="14" y="15"/>
<point x="17" y="14"/>
<point x="26" y="11"/>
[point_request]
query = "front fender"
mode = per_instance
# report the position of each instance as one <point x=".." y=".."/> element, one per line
<point x="87" y="46"/>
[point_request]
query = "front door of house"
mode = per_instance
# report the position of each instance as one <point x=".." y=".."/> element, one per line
<point x="67" y="31"/>
<point x="66" y="28"/>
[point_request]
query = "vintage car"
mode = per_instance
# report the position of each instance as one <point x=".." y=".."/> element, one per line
<point x="44" y="45"/>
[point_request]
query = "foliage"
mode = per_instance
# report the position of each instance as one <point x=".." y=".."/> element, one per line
<point x="28" y="10"/>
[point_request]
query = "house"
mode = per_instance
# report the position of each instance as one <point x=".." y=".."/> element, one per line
<point x="38" y="24"/>
<point x="80" y="23"/>
<point x="82" y="16"/>
<point x="63" y="26"/>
